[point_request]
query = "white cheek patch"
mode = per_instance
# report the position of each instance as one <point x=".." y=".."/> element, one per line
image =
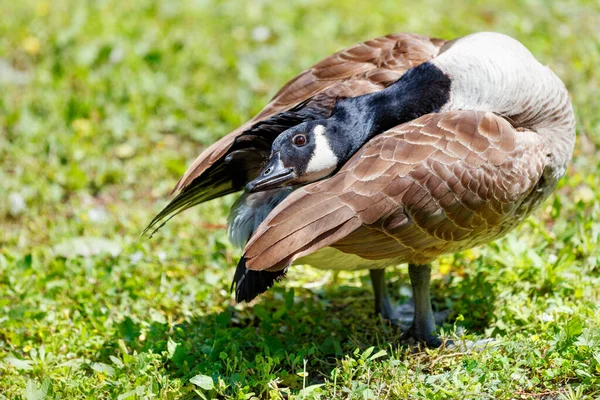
<point x="323" y="160"/>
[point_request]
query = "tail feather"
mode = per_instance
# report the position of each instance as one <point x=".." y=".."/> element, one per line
<point x="248" y="284"/>
<point x="241" y="163"/>
<point x="214" y="184"/>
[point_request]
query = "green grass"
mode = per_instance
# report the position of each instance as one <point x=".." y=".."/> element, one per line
<point x="102" y="106"/>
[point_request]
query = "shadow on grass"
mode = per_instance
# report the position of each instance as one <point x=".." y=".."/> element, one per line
<point x="255" y="344"/>
<point x="471" y="293"/>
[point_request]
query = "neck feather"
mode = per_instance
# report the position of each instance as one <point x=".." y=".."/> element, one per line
<point x="421" y="90"/>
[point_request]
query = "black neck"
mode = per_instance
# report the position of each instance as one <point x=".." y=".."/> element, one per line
<point x="421" y="90"/>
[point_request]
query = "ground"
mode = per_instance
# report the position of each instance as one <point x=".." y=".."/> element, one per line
<point x="102" y="106"/>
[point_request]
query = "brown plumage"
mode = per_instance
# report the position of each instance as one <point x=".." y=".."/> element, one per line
<point x="360" y="69"/>
<point x="231" y="162"/>
<point x="441" y="183"/>
<point x="481" y="133"/>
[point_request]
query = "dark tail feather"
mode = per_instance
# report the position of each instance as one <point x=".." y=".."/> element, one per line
<point x="214" y="183"/>
<point x="249" y="284"/>
<point x="243" y="161"/>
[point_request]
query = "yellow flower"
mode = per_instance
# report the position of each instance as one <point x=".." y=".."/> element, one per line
<point x="470" y="254"/>
<point x="32" y="45"/>
<point x="445" y="268"/>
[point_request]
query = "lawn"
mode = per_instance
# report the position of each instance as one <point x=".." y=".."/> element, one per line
<point x="104" y="103"/>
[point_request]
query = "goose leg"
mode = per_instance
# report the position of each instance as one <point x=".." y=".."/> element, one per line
<point x="383" y="304"/>
<point x="423" y="324"/>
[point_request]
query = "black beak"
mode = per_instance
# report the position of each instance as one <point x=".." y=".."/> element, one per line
<point x="273" y="176"/>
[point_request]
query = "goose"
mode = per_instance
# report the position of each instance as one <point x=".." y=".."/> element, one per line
<point x="230" y="163"/>
<point x="454" y="153"/>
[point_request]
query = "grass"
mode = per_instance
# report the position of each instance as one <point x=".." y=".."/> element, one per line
<point x="102" y="106"/>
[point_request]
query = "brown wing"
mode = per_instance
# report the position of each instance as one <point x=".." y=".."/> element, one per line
<point x="227" y="165"/>
<point x="440" y="183"/>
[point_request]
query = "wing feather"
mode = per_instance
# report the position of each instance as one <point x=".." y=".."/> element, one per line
<point x="468" y="186"/>
<point x="225" y="167"/>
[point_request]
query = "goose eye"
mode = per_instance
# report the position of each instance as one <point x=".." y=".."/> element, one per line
<point x="299" y="140"/>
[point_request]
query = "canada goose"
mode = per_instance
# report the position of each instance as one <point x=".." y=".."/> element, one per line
<point x="454" y="154"/>
<point x="230" y="163"/>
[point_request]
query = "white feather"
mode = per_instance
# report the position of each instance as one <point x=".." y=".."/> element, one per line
<point x="329" y="258"/>
<point x="488" y="71"/>
<point x="494" y="72"/>
<point x="323" y="160"/>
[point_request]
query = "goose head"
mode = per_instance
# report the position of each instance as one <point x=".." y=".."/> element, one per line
<point x="316" y="149"/>
<point x="305" y="153"/>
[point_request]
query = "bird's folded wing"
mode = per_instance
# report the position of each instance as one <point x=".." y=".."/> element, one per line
<point x="415" y="191"/>
<point x="379" y="61"/>
<point x="228" y="164"/>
